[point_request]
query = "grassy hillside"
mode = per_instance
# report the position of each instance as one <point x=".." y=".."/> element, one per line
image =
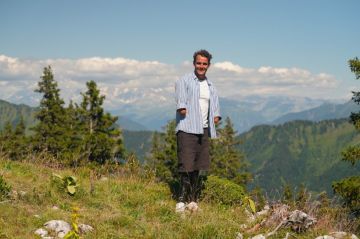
<point x="300" y="152"/>
<point x="12" y="113"/>
<point x="118" y="202"/>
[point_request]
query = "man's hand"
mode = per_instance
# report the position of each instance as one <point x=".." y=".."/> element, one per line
<point x="182" y="111"/>
<point x="216" y="120"/>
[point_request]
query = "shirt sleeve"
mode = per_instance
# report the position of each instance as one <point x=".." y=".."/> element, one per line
<point x="216" y="105"/>
<point x="180" y="94"/>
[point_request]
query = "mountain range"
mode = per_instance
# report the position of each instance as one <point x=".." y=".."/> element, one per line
<point x="322" y="112"/>
<point x="244" y="112"/>
<point x="12" y="113"/>
<point x="299" y="152"/>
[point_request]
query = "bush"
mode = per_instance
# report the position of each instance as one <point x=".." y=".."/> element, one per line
<point x="4" y="188"/>
<point x="223" y="191"/>
<point x="349" y="190"/>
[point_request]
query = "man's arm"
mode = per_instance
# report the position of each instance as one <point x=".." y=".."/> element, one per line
<point x="217" y="116"/>
<point x="180" y="96"/>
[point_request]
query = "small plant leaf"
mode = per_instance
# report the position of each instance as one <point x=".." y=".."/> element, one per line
<point x="71" y="189"/>
<point x="70" y="180"/>
<point x="57" y="176"/>
<point x="252" y="205"/>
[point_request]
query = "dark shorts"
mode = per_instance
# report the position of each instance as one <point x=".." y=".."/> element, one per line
<point x="193" y="151"/>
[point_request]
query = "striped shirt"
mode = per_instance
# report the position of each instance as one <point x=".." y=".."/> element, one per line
<point x="187" y="95"/>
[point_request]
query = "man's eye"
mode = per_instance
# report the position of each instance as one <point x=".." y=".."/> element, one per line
<point x="199" y="63"/>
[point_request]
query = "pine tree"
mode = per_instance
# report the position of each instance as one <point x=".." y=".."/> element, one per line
<point x="102" y="140"/>
<point x="226" y="160"/>
<point x="50" y="132"/>
<point x="14" y="141"/>
<point x="6" y="138"/>
<point x="301" y="197"/>
<point x="163" y="157"/>
<point x="20" y="140"/>
<point x="349" y="188"/>
<point x="288" y="195"/>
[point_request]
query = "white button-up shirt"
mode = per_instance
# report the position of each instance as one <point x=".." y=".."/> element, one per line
<point x="187" y="95"/>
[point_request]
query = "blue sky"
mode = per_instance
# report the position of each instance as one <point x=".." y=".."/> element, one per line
<point x="315" y="36"/>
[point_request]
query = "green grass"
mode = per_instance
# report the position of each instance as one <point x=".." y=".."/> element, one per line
<point x="122" y="205"/>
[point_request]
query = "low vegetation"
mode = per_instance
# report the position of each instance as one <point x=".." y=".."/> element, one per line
<point x="121" y="202"/>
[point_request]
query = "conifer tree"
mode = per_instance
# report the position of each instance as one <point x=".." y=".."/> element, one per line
<point x="6" y="138"/>
<point x="288" y="195"/>
<point x="102" y="140"/>
<point x="226" y="159"/>
<point x="157" y="156"/>
<point x="13" y="141"/>
<point x="163" y="158"/>
<point x="50" y="131"/>
<point x="170" y="148"/>
<point x="349" y="188"/>
<point x="20" y="140"/>
<point x="301" y="197"/>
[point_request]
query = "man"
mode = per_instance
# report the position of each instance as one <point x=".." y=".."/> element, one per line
<point x="197" y="112"/>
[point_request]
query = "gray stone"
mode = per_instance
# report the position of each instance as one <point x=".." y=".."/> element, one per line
<point x="60" y="227"/>
<point x="55" y="207"/>
<point x="41" y="232"/>
<point x="85" y="228"/>
<point x="260" y="236"/>
<point x="338" y="235"/>
<point x="300" y="221"/>
<point x="239" y="236"/>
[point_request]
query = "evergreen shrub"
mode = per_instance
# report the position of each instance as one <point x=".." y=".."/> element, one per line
<point x="223" y="191"/>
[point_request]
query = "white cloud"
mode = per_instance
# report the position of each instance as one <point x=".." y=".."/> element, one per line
<point x="127" y="81"/>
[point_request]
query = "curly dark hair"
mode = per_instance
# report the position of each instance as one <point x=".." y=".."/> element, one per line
<point x="203" y="53"/>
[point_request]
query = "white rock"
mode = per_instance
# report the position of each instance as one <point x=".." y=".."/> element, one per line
<point x="260" y="236"/>
<point x="22" y="193"/>
<point x="55" y="207"/>
<point x="85" y="228"/>
<point x="338" y="235"/>
<point x="250" y="216"/>
<point x="60" y="227"/>
<point x="192" y="207"/>
<point x="61" y="234"/>
<point x="14" y="194"/>
<point x="262" y="212"/>
<point x="243" y="226"/>
<point x="239" y="236"/>
<point x="41" y="232"/>
<point x="180" y="207"/>
<point x="37" y="216"/>
<point x="325" y="237"/>
<point x="353" y="236"/>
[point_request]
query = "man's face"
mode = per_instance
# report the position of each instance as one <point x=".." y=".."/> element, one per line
<point x="201" y="65"/>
